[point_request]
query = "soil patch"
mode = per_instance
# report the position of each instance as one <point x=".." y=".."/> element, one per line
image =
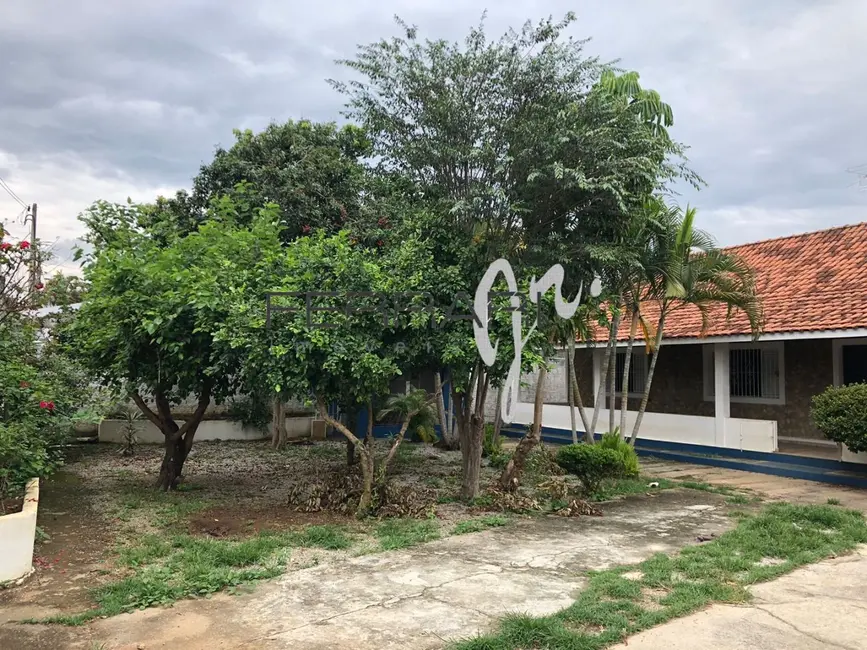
<point x="11" y="505"/>
<point x="231" y="521"/>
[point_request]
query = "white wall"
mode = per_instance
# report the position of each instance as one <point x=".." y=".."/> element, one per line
<point x="743" y="434"/>
<point x="17" y="534"/>
<point x="147" y="433"/>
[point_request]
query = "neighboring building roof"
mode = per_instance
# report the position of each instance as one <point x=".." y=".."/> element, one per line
<point x="815" y="282"/>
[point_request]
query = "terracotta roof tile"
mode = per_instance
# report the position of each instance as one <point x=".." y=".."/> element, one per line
<point x="811" y="282"/>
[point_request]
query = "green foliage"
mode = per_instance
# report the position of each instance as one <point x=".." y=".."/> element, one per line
<point x="491" y="446"/>
<point x="62" y="290"/>
<point x="253" y="411"/>
<point x="613" y="440"/>
<point x="613" y="606"/>
<point x="840" y="413"/>
<point x="591" y="464"/>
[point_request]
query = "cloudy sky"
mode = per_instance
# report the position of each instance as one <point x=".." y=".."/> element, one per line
<point x="116" y="98"/>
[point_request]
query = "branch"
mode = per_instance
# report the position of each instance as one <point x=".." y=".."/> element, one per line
<point x="145" y="409"/>
<point x="192" y="424"/>
<point x="330" y="421"/>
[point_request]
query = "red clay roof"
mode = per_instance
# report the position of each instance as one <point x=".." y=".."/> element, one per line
<point x="807" y="283"/>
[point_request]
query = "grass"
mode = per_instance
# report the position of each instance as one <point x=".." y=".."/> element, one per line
<point x="833" y="502"/>
<point x="625" y="600"/>
<point x="626" y="486"/>
<point x="402" y="533"/>
<point x="167" y="568"/>
<point x="479" y="523"/>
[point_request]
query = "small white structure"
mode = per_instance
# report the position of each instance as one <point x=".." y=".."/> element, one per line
<point x="17" y="535"/>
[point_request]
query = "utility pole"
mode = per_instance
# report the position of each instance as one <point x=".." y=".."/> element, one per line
<point x="35" y="271"/>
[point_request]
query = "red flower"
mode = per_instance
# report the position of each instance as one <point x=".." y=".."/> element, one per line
<point x="24" y="384"/>
<point x="39" y="286"/>
<point x="379" y="242"/>
<point x="383" y="222"/>
<point x="305" y="229"/>
<point x="24" y="245"/>
<point x="50" y="406"/>
<point x="43" y="404"/>
<point x="5" y="246"/>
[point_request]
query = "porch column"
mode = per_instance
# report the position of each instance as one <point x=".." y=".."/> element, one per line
<point x="597" y="373"/>
<point x="721" y="389"/>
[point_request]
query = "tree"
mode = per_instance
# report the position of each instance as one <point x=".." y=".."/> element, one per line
<point x="521" y="149"/>
<point x="63" y="290"/>
<point x="689" y="272"/>
<point x="312" y="171"/>
<point x="147" y="325"/>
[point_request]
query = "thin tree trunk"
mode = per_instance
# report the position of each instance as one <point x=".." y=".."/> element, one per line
<point x="570" y="397"/>
<point x="576" y="395"/>
<point x="612" y="379"/>
<point x="448" y="438"/>
<point x="498" y="419"/>
<point x="627" y="362"/>
<point x="363" y="450"/>
<point x="368" y="436"/>
<point x="510" y="479"/>
<point x="599" y="402"/>
<point x="644" y="398"/>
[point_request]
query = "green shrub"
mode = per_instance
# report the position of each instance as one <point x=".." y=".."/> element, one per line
<point x="840" y="413"/>
<point x="591" y="464"/>
<point x="491" y="446"/>
<point x="613" y="440"/>
<point x="253" y="411"/>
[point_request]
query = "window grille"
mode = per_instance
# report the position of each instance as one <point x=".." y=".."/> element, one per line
<point x="637" y="373"/>
<point x="754" y="373"/>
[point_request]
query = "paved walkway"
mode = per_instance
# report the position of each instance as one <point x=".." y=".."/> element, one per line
<point x="413" y="599"/>
<point x="819" y="607"/>
<point x="777" y="488"/>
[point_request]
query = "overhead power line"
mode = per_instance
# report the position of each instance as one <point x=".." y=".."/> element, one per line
<point x="12" y="193"/>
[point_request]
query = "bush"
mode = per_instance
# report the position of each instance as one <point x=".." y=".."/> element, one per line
<point x="253" y="411"/>
<point x="613" y="440"/>
<point x="840" y="413"/>
<point x="591" y="464"/>
<point x="491" y="446"/>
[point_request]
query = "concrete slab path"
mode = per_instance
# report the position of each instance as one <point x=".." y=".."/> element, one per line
<point x="822" y="606"/>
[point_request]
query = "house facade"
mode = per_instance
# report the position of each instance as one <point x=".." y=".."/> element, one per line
<point x="724" y="388"/>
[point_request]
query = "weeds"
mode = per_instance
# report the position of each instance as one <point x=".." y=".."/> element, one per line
<point x="479" y="524"/>
<point x="402" y="533"/>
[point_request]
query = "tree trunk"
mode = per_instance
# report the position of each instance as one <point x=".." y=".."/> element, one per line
<point x="576" y="394"/>
<point x="363" y="450"/>
<point x="570" y="398"/>
<point x="278" y="428"/>
<point x="498" y="419"/>
<point x="624" y="386"/>
<point x="599" y="402"/>
<point x="448" y="437"/>
<point x="178" y="440"/>
<point x="612" y="371"/>
<point x="644" y="398"/>
<point x="510" y="479"/>
<point x="472" y="428"/>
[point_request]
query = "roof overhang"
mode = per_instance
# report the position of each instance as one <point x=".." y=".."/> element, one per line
<point x="860" y="332"/>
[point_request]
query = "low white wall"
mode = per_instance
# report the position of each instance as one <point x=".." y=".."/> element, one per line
<point x="148" y="433"/>
<point x="851" y="457"/>
<point x="17" y="535"/>
<point x="743" y="434"/>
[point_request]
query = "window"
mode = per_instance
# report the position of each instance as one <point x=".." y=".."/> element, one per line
<point x="755" y="373"/>
<point x="637" y="373"/>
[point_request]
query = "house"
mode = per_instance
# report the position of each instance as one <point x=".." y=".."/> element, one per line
<point x="728" y="392"/>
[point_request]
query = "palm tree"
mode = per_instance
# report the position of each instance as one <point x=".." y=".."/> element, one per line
<point x="414" y="409"/>
<point x="690" y="271"/>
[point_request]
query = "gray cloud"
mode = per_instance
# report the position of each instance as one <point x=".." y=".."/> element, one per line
<point x="102" y="100"/>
